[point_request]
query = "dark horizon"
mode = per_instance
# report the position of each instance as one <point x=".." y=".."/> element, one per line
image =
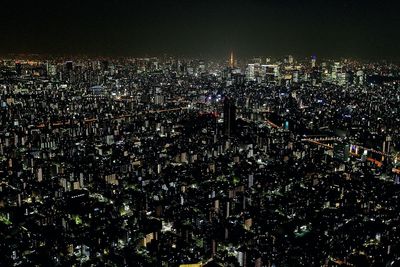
<point x="333" y="29"/>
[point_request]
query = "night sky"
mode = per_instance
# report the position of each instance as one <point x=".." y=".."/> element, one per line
<point x="204" y="28"/>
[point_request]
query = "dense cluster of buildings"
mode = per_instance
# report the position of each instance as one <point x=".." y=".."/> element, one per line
<point x="168" y="162"/>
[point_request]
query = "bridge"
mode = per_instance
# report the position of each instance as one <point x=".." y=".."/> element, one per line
<point x="318" y="140"/>
<point x="90" y="120"/>
<point x="354" y="150"/>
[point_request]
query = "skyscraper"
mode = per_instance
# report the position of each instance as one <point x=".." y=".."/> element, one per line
<point x="313" y="61"/>
<point x="18" y="68"/>
<point x="250" y="72"/>
<point x="289" y="59"/>
<point x="341" y="152"/>
<point x="229" y="116"/>
<point x="68" y="66"/>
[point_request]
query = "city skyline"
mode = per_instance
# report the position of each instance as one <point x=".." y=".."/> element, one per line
<point x="148" y="162"/>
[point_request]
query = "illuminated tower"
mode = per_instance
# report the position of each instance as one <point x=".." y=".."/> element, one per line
<point x="231" y="61"/>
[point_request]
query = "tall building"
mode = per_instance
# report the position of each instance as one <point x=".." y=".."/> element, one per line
<point x="313" y="61"/>
<point x="387" y="144"/>
<point x="68" y="65"/>
<point x="250" y="72"/>
<point x="289" y="59"/>
<point x="18" y="68"/>
<point x="341" y="152"/>
<point x="257" y="60"/>
<point x="360" y="77"/>
<point x="336" y="68"/>
<point x="201" y="66"/>
<point x="229" y="116"/>
<point x="51" y="69"/>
